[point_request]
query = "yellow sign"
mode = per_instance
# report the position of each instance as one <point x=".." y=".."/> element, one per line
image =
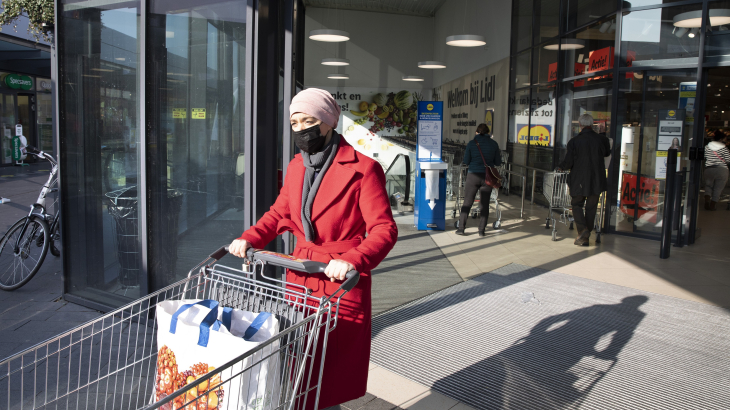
<point x="179" y="113"/>
<point x="539" y="135"/>
<point x="430" y="107"/>
<point x="672" y="113"/>
<point x="198" y="113"/>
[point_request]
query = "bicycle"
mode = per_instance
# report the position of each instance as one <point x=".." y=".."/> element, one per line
<point x="25" y="245"/>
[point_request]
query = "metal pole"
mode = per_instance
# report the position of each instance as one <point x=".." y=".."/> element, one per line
<point x="534" y="179"/>
<point x="669" y="187"/>
<point x="522" y="208"/>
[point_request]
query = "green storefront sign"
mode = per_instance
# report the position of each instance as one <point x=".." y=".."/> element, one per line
<point x="18" y="82"/>
<point x="15" y="147"/>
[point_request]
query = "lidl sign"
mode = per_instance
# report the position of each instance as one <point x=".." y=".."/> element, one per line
<point x="18" y="82"/>
<point x="539" y="135"/>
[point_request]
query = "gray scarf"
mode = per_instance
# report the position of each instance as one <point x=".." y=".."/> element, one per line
<point x="315" y="166"/>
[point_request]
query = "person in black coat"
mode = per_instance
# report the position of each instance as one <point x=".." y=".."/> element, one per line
<point x="585" y="161"/>
<point x="480" y="152"/>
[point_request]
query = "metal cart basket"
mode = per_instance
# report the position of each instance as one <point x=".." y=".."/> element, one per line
<point x="459" y="174"/>
<point x="555" y="189"/>
<point x="111" y="362"/>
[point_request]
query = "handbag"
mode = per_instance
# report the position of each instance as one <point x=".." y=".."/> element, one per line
<point x="491" y="176"/>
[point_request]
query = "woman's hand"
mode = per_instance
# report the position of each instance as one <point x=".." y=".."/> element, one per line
<point x="337" y="269"/>
<point x="238" y="248"/>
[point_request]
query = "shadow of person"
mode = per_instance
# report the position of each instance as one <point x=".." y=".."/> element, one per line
<point x="555" y="366"/>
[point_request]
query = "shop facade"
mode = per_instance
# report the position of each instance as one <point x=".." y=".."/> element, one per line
<point x="173" y="126"/>
<point x="171" y="135"/>
<point x="629" y="65"/>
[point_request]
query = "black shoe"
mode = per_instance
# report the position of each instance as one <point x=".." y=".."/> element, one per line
<point x="482" y="233"/>
<point x="460" y="231"/>
<point x="582" y="239"/>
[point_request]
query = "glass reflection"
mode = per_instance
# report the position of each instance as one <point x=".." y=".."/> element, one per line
<point x="195" y="151"/>
<point x="99" y="127"/>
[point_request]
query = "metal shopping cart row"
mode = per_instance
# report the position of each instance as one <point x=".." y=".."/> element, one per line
<point x="458" y="184"/>
<point x="556" y="191"/>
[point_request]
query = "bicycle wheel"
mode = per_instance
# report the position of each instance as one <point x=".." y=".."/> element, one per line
<point x="22" y="252"/>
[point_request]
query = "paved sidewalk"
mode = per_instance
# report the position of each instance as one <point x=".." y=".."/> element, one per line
<point x="35" y="312"/>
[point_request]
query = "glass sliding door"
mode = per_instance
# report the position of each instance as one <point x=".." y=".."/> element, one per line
<point x="99" y="85"/>
<point x="196" y="68"/>
<point x="645" y="98"/>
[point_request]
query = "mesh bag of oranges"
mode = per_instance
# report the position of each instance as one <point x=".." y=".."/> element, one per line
<point x="196" y="338"/>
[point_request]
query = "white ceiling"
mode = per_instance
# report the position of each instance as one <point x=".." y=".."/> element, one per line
<point x="426" y="8"/>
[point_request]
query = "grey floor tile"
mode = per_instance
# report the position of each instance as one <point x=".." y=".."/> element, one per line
<point x="378" y="404"/>
<point x="358" y="403"/>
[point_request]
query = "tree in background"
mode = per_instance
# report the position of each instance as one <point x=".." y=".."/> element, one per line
<point x="40" y="13"/>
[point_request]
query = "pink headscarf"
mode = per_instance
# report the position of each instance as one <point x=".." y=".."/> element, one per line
<point x="317" y="103"/>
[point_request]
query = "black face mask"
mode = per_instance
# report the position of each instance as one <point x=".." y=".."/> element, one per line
<point x="309" y="139"/>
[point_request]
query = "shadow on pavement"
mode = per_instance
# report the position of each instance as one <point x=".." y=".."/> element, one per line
<point x="555" y="366"/>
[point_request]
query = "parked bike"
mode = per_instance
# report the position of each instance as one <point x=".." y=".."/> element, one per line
<point x="25" y="245"/>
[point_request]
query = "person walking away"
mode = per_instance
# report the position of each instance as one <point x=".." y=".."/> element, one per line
<point x="717" y="157"/>
<point x="480" y="152"/>
<point x="335" y="203"/>
<point x="587" y="179"/>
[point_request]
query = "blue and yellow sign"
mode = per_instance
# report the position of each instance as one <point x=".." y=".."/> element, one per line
<point x="430" y="130"/>
<point x="539" y="135"/>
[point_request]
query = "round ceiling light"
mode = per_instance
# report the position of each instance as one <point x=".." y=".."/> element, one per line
<point x="339" y="76"/>
<point x="431" y="64"/>
<point x="329" y="36"/>
<point x="412" y="78"/>
<point x="566" y="44"/>
<point x="335" y="61"/>
<point x="693" y="19"/>
<point x="466" y="40"/>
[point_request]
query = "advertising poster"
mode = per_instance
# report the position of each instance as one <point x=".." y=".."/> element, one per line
<point x="670" y="127"/>
<point x="430" y="130"/>
<point x="539" y="135"/>
<point x="687" y="95"/>
<point x="371" y="117"/>
<point x="489" y="118"/>
<point x="645" y="197"/>
<point x="660" y="171"/>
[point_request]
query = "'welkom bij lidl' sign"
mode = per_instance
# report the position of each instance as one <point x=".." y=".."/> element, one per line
<point x="18" y="81"/>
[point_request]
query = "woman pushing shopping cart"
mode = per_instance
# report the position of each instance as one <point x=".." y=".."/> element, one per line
<point x="332" y="197"/>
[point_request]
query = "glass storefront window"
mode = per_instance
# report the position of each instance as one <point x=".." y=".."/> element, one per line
<point x="545" y="67"/>
<point x="586" y="96"/>
<point x="717" y="42"/>
<point x="542" y="127"/>
<point x="661" y="38"/>
<point x="547" y="18"/>
<point x="520" y="74"/>
<point x="580" y="12"/>
<point x="643" y="3"/>
<point x="44" y="120"/>
<point x="521" y="24"/>
<point x="519" y="121"/>
<point x="7" y="126"/>
<point x="589" y="50"/>
<point x="99" y="126"/>
<point x="644" y="97"/>
<point x="195" y="153"/>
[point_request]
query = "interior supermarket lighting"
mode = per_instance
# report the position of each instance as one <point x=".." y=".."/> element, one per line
<point x="335" y="61"/>
<point x="431" y="64"/>
<point x="329" y="36"/>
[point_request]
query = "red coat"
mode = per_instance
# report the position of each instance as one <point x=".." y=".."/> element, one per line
<point x="351" y="202"/>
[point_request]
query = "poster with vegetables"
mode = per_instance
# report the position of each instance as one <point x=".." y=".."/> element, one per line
<point x="372" y="118"/>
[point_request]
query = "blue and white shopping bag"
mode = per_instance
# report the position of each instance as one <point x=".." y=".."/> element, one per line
<point x="196" y="336"/>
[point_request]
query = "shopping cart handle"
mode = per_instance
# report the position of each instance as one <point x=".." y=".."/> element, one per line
<point x="288" y="262"/>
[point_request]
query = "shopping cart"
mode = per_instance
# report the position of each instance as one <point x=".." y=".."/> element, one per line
<point x="459" y="175"/>
<point x="555" y="189"/>
<point x="111" y="362"/>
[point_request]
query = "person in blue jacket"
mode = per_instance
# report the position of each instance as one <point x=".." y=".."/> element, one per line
<point x="477" y="162"/>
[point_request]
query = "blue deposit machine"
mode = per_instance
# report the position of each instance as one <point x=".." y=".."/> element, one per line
<point x="430" y="203"/>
